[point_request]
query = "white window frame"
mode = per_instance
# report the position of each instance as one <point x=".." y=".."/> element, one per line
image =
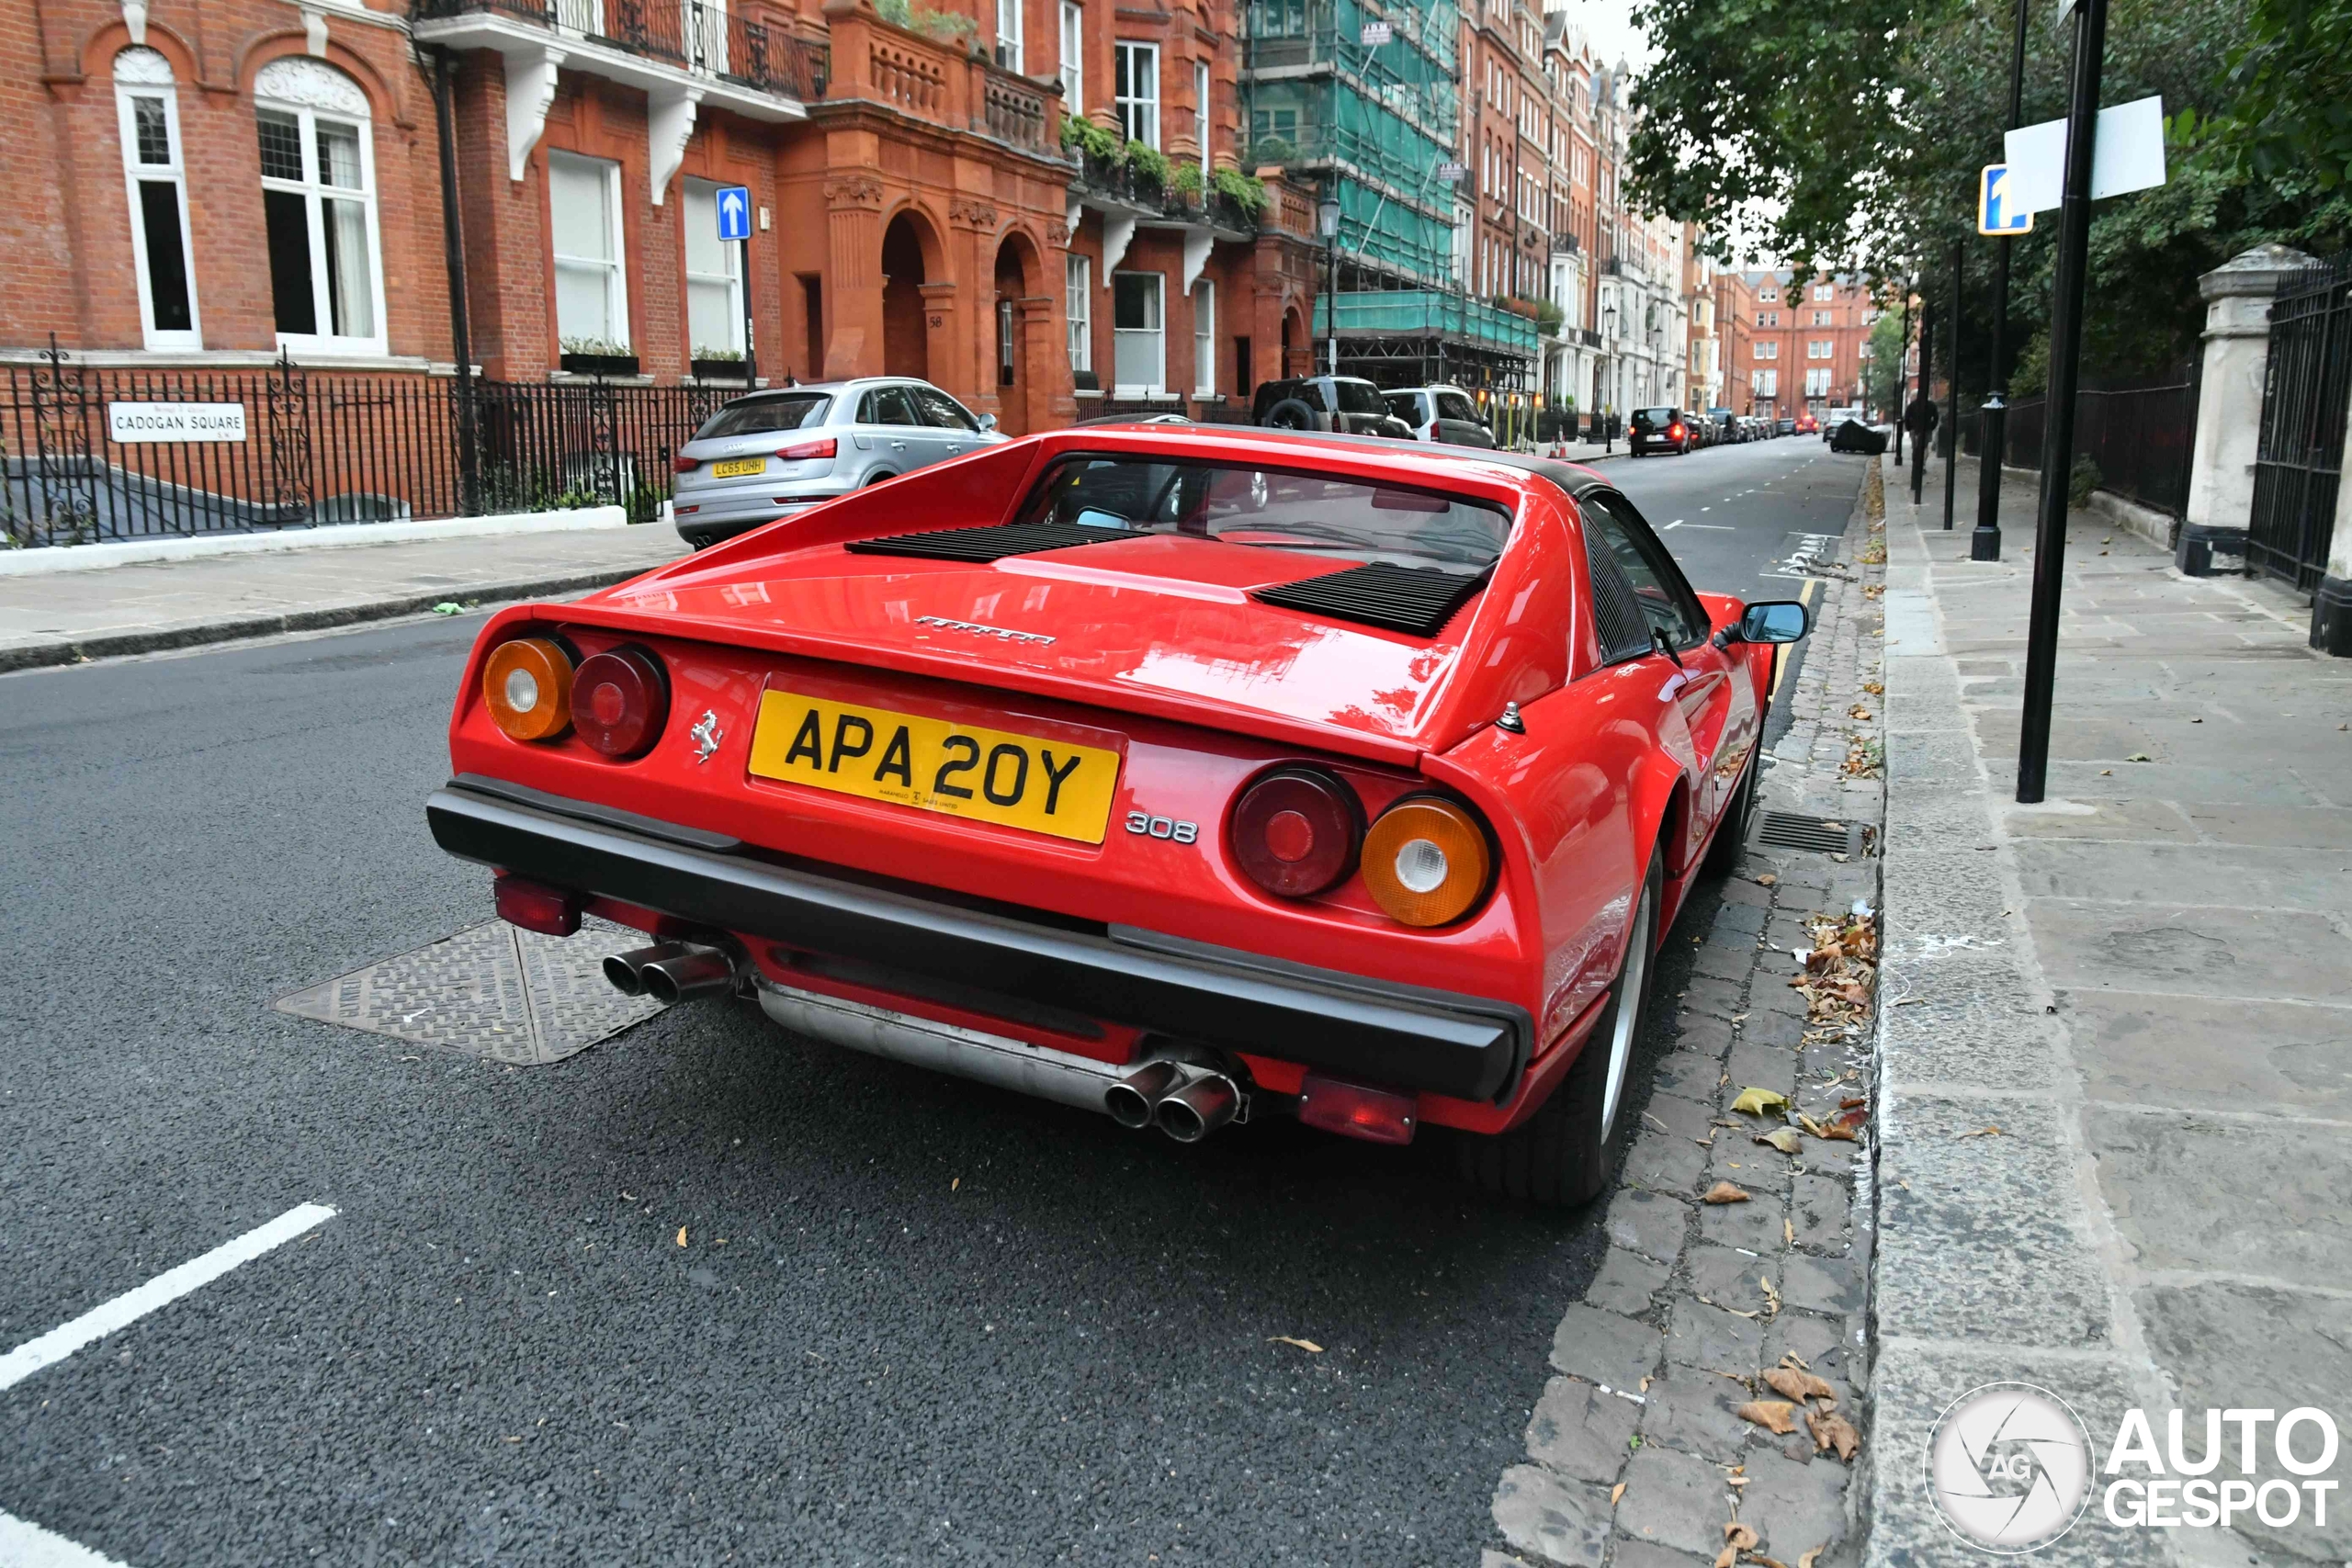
<point x="1768" y="350"/>
<point x="1007" y="33"/>
<point x="1816" y="383"/>
<point x="1820" y="348"/>
<point x="1077" y="281"/>
<point x="731" y="254"/>
<point x="175" y="173"/>
<point x="1205" y="339"/>
<point x="1073" y="61"/>
<point x="316" y="193"/>
<point x="1136" y="112"/>
<point x="1767" y="383"/>
<point x="1201" y="114"/>
<point x="617" y="269"/>
<point x="1158" y="385"/>
<point x="1824" y="291"/>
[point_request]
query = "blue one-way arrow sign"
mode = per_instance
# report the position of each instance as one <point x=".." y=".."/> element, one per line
<point x="734" y="212"/>
<point x="1997" y="212"/>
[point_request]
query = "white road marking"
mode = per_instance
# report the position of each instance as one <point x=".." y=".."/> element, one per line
<point x="24" y="1544"/>
<point x="161" y="1290"/>
<point x="1712" y="527"/>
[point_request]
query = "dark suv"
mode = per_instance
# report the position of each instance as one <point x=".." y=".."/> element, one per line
<point x="1348" y="404"/>
<point x="1658" y="430"/>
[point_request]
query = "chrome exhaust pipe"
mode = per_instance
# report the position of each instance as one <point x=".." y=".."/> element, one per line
<point x="1131" y="1100"/>
<point x="685" y="972"/>
<point x="1207" y="1103"/>
<point x="624" y="969"/>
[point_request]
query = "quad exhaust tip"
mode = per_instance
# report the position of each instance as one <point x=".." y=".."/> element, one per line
<point x="671" y="972"/>
<point x="1186" y="1102"/>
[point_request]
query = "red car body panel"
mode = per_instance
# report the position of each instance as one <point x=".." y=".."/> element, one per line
<point x="1155" y="643"/>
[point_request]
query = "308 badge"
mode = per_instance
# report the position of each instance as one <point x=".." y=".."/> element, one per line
<point x="933" y="764"/>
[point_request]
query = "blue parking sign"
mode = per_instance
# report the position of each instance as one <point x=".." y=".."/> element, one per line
<point x="1997" y="209"/>
<point x="734" y="212"/>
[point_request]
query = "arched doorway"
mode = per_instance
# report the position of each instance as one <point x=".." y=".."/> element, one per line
<point x="1019" y="277"/>
<point x="906" y="344"/>
<point x="1295" y="346"/>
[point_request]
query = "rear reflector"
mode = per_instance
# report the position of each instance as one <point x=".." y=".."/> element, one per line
<point x="1354" y="1111"/>
<point x="619" y="700"/>
<point x="535" y="906"/>
<point x="1296" y="830"/>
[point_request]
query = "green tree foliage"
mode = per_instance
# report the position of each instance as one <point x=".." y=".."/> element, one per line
<point x="1853" y="137"/>
<point x="1886" y="360"/>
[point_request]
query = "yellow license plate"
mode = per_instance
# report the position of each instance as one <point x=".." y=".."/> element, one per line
<point x="735" y="468"/>
<point x="934" y="764"/>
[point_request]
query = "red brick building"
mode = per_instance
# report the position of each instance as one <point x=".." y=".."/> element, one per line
<point x="1807" y="342"/>
<point x="206" y="184"/>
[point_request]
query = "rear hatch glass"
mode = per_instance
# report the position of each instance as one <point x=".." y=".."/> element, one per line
<point x="759" y="416"/>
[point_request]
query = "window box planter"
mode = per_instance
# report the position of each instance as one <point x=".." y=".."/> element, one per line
<point x="718" y="369"/>
<point x="600" y="364"/>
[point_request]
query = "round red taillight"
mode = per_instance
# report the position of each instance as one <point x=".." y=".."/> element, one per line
<point x="619" y="699"/>
<point x="1296" y="830"/>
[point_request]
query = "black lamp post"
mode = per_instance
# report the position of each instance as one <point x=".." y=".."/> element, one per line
<point x="1327" y="215"/>
<point x="1608" y="419"/>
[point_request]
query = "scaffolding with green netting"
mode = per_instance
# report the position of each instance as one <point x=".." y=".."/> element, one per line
<point x="1365" y="97"/>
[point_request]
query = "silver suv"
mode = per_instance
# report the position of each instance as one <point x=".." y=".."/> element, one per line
<point x="775" y="453"/>
<point x="1441" y="413"/>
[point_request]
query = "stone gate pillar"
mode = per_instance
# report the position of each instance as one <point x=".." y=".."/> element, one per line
<point x="853" y="257"/>
<point x="2229" y="402"/>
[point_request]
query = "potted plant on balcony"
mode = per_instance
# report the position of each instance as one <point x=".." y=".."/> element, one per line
<point x="1187" y="186"/>
<point x="596" y="356"/>
<point x="717" y="364"/>
<point x="1243" y="196"/>
<point x="1149" y="170"/>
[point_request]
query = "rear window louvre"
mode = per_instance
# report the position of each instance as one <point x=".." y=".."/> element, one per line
<point x="1623" y="631"/>
<point x="1419" y="600"/>
<point x="992" y="542"/>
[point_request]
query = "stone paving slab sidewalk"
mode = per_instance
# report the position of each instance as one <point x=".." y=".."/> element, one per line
<point x="2144" y="983"/>
<point x="1635" y="1456"/>
<point x="67" y="617"/>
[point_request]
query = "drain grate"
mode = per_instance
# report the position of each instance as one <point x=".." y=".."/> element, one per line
<point x="491" y="990"/>
<point x="1793" y="830"/>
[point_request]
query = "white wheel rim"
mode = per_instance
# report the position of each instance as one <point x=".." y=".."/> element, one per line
<point x="1628" y="1018"/>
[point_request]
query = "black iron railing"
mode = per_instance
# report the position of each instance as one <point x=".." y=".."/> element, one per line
<point x="92" y="455"/>
<point x="2139" y="437"/>
<point x="2299" y="459"/>
<point x="684" y="33"/>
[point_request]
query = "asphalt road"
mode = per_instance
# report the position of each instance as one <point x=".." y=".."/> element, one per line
<point x="946" y="1324"/>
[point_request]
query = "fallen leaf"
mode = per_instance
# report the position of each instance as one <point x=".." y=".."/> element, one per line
<point x="2138" y="757"/>
<point x="1831" y="1430"/>
<point x="1308" y="1345"/>
<point x="1992" y="1132"/>
<point x="955" y="1184"/>
<point x="1791" y="1359"/>
<point x="1772" y="1415"/>
<point x="1851" y="1104"/>
<point x="1788" y="1234"/>
<point x="1854" y="1114"/>
<point x="1724" y="1192"/>
<point x="2107" y="773"/>
<point x="1758" y="1101"/>
<point x="1737" y="1538"/>
<point x="682" y="1236"/>
<point x="1810" y="1558"/>
<point x="1615" y="1492"/>
<point x="1785" y="1139"/>
<point x="1719" y="1306"/>
<point x="1791" y="1383"/>
<point x="447" y="607"/>
<point x="1767" y="880"/>
<point x="1771" y="1296"/>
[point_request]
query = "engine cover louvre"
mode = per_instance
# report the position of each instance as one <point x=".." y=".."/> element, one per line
<point x="994" y="542"/>
<point x="1399" y="598"/>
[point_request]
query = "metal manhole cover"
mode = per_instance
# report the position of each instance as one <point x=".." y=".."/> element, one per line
<point x="1793" y="830"/>
<point x="491" y="990"/>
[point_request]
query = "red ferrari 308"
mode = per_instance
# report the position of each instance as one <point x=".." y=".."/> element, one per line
<point x="1186" y="774"/>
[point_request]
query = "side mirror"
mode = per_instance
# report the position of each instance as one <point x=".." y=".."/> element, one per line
<point x="988" y="423"/>
<point x="1774" y="620"/>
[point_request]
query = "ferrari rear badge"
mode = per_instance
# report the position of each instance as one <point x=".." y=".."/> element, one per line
<point x="706" y="734"/>
<point x="1002" y="634"/>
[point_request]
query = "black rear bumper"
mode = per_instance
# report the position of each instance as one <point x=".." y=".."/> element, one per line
<point x="1374" y="1030"/>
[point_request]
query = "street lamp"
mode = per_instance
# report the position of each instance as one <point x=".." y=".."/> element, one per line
<point x="1327" y="216"/>
<point x="1609" y="421"/>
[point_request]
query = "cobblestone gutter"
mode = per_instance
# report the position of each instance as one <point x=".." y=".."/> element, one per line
<point x="1639" y="1454"/>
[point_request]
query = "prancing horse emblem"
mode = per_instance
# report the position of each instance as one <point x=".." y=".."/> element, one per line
<point x="706" y="734"/>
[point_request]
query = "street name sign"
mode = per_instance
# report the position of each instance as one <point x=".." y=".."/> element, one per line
<point x="1997" y="213"/>
<point x="130" y="423"/>
<point x="734" y="212"/>
<point x="2129" y="155"/>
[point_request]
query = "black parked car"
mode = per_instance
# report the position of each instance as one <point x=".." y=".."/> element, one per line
<point x="1853" y="435"/>
<point x="1658" y="430"/>
<point x="1348" y="404"/>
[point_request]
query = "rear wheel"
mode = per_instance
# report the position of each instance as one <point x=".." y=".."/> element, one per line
<point x="1291" y="414"/>
<point x="1562" y="1156"/>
